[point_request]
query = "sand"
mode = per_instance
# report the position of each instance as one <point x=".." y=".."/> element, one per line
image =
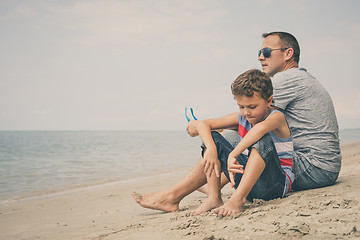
<point x="109" y="212"/>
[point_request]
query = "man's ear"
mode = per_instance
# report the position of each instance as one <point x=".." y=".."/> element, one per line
<point x="289" y="53"/>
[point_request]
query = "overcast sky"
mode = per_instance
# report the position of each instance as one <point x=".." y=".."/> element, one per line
<point x="135" y="65"/>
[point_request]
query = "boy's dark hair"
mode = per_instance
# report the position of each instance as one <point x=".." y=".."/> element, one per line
<point x="252" y="81"/>
<point x="288" y="41"/>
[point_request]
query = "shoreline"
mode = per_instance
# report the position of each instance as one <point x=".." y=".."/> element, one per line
<point x="107" y="211"/>
<point x="93" y="185"/>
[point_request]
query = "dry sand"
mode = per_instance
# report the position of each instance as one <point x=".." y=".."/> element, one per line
<point x="109" y="212"/>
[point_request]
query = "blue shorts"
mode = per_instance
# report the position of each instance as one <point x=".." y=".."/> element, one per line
<point x="308" y="176"/>
<point x="271" y="183"/>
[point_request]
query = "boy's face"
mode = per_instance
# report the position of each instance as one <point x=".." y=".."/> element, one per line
<point x="255" y="109"/>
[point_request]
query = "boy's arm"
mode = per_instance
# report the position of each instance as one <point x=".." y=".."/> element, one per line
<point x="203" y="128"/>
<point x="275" y="122"/>
<point x="225" y="122"/>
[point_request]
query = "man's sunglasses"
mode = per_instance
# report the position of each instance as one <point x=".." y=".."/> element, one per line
<point x="267" y="51"/>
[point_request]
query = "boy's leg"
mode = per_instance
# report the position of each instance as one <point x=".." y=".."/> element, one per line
<point x="169" y="199"/>
<point x="232" y="136"/>
<point x="254" y="168"/>
<point x="214" y="184"/>
<point x="271" y="183"/>
<point x="214" y="195"/>
<point x="269" y="180"/>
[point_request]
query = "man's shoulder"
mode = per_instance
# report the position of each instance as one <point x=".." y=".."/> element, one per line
<point x="292" y="73"/>
<point x="291" y="77"/>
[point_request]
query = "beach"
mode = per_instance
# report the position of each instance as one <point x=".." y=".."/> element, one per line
<point x="108" y="211"/>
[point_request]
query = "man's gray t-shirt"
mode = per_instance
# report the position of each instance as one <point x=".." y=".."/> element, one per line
<point x="310" y="113"/>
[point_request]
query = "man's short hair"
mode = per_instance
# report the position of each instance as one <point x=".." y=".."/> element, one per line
<point x="289" y="41"/>
<point x="252" y="81"/>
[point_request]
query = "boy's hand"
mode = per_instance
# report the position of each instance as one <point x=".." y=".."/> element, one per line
<point x="211" y="162"/>
<point x="233" y="168"/>
<point x="192" y="128"/>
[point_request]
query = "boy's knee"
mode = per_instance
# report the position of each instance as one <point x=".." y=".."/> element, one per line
<point x="202" y="161"/>
<point x="266" y="139"/>
<point x="215" y="134"/>
<point x="264" y="147"/>
<point x="263" y="142"/>
<point x="218" y="138"/>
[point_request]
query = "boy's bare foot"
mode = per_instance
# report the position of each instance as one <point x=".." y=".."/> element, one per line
<point x="230" y="207"/>
<point x="157" y="201"/>
<point x="207" y="206"/>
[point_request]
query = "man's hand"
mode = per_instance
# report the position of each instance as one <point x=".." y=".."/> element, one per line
<point x="233" y="168"/>
<point x="211" y="163"/>
<point x="192" y="128"/>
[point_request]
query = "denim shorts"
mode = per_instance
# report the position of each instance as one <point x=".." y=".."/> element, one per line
<point x="308" y="176"/>
<point x="271" y="183"/>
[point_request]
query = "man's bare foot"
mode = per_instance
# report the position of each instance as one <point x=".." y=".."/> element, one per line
<point x="157" y="201"/>
<point x="208" y="205"/>
<point x="230" y="207"/>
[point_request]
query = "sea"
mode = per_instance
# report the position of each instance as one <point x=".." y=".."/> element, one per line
<point x="36" y="163"/>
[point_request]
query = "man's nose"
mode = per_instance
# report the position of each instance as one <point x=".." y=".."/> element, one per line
<point x="261" y="57"/>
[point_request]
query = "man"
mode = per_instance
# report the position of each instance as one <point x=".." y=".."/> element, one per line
<point x="310" y="115"/>
<point x="308" y="109"/>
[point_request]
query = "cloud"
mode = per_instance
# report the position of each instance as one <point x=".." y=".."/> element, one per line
<point x="129" y="22"/>
<point x="155" y="113"/>
<point x="345" y="106"/>
<point x="118" y="60"/>
<point x="41" y="112"/>
<point x="351" y="29"/>
<point x="323" y="45"/>
<point x="107" y="120"/>
<point x="18" y="11"/>
<point x="135" y="22"/>
<point x="191" y="37"/>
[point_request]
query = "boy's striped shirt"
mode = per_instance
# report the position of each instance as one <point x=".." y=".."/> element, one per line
<point x="284" y="148"/>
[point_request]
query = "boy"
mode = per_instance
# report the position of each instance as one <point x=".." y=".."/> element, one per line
<point x="257" y="174"/>
<point x="265" y="172"/>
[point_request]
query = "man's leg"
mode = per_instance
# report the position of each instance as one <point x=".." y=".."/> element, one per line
<point x="232" y="136"/>
<point x="205" y="188"/>
<point x="169" y="199"/>
<point x="308" y="176"/>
